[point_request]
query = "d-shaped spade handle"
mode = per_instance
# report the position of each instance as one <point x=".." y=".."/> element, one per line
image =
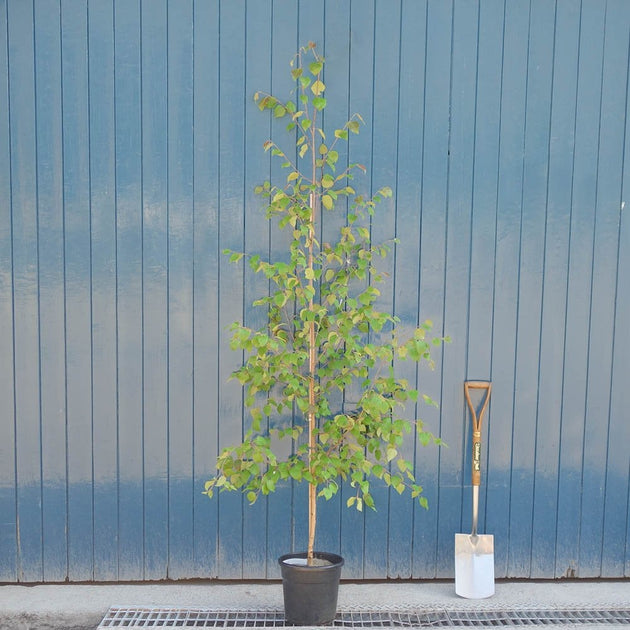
<point x="476" y="441"/>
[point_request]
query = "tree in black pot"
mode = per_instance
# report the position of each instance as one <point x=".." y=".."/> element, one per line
<point x="323" y="335"/>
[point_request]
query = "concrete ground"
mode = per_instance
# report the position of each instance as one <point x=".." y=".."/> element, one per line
<point x="82" y="607"/>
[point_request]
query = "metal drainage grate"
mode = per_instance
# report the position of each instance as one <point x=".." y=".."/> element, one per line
<point x="150" y="617"/>
<point x="538" y="618"/>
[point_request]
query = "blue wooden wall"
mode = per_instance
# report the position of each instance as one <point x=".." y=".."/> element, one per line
<point x="129" y="149"/>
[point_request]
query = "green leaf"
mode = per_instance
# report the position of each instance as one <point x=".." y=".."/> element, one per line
<point x="319" y="102"/>
<point x="386" y="191"/>
<point x="327" y="202"/>
<point x="279" y="111"/>
<point x="256" y="418"/>
<point x="328" y="181"/>
<point x="318" y="87"/>
<point x="429" y="401"/>
<point x="341" y="133"/>
<point x="315" y="67"/>
<point x="353" y="126"/>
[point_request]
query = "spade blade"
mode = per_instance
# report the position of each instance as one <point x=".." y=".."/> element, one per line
<point x="474" y="565"/>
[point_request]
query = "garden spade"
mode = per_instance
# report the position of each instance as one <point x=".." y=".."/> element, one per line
<point x="474" y="553"/>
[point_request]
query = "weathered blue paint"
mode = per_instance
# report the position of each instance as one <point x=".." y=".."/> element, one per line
<point x="103" y="294"/>
<point x="206" y="278"/>
<point x="47" y="26"/>
<point x="154" y="32"/>
<point x="356" y="58"/>
<point x="129" y="149"/>
<point x="8" y="524"/>
<point x="553" y="317"/>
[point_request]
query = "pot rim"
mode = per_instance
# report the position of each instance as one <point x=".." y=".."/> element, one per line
<point x="335" y="559"/>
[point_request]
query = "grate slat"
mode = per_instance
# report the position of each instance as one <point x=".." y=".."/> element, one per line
<point x="134" y="617"/>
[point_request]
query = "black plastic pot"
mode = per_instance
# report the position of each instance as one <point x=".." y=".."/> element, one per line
<point x="310" y="592"/>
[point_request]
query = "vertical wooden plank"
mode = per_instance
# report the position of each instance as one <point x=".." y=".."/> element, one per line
<point x="408" y="204"/>
<point x="207" y="383"/>
<point x="180" y="288"/>
<point x="314" y="19"/>
<point x="435" y="171"/>
<point x="553" y="313"/>
<point x="483" y="236"/>
<point x="383" y="122"/>
<point x="286" y="525"/>
<point x="531" y="258"/>
<point x="361" y="81"/>
<point x="78" y="285"/>
<point x="51" y="295"/>
<point x="584" y="190"/>
<point x="452" y="471"/>
<point x="335" y="45"/>
<point x="602" y="300"/>
<point x="286" y="531"/>
<point x="312" y="27"/>
<point x="8" y="496"/>
<point x="154" y="288"/>
<point x="23" y="152"/>
<point x="356" y="19"/>
<point x="256" y="563"/>
<point x="231" y="220"/>
<point x="129" y="286"/>
<point x="615" y="537"/>
<point x="509" y="208"/>
<point x="103" y="245"/>
<point x="394" y="523"/>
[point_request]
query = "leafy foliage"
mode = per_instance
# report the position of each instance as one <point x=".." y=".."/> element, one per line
<point x="324" y="332"/>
